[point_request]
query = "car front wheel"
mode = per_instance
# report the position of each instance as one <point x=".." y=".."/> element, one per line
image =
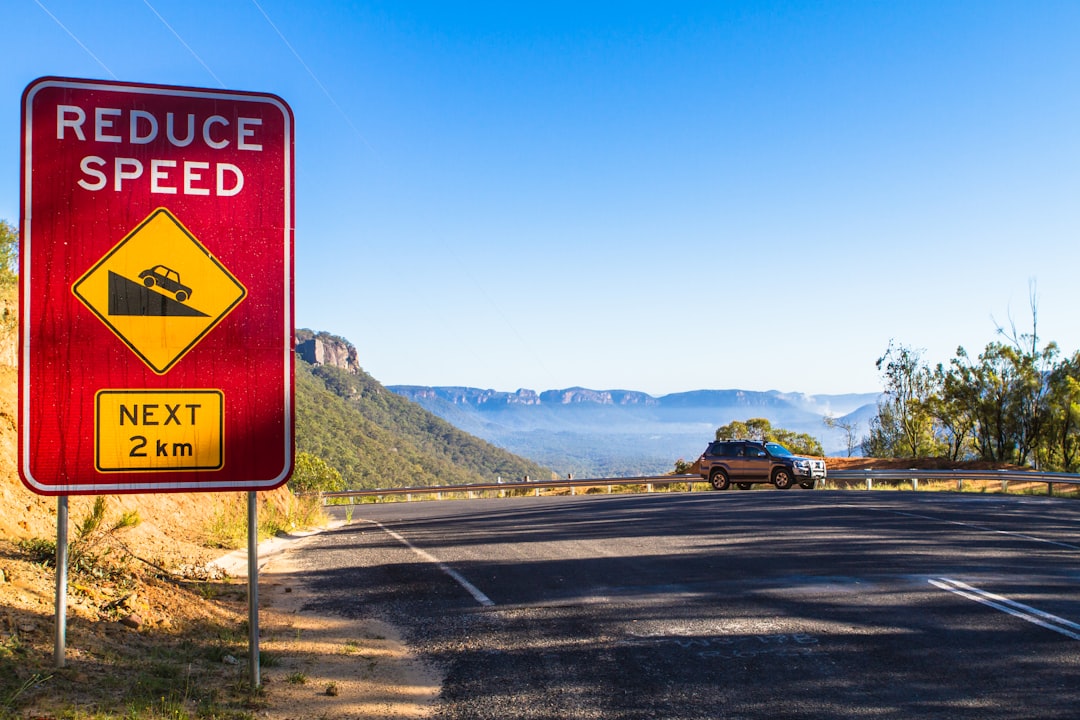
<point x="782" y="479"/>
<point x="719" y="480"/>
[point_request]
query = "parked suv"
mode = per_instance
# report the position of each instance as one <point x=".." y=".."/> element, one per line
<point x="745" y="462"/>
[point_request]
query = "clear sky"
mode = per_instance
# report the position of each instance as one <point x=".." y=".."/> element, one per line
<point x="657" y="196"/>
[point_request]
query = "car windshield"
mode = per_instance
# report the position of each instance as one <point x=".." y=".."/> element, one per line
<point x="778" y="450"/>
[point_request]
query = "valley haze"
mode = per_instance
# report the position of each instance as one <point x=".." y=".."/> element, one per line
<point x="613" y="433"/>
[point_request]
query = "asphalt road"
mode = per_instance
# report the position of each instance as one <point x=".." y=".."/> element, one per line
<point x="763" y="604"/>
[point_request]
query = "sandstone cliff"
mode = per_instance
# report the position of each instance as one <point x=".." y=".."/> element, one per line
<point x="322" y="348"/>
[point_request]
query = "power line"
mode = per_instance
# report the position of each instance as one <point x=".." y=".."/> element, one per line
<point x="80" y="42"/>
<point x="177" y="35"/>
<point x="313" y="77"/>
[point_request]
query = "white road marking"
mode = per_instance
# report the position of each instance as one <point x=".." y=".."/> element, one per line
<point x="479" y="596"/>
<point x="1005" y="605"/>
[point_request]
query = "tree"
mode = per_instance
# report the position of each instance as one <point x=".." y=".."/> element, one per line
<point x="1018" y="402"/>
<point x="850" y="428"/>
<point x="904" y="426"/>
<point x="996" y="404"/>
<point x="954" y="406"/>
<point x="9" y="254"/>
<point x="753" y="429"/>
<point x="312" y="474"/>
<point x="1030" y="390"/>
<point x="762" y="430"/>
<point x="1062" y="430"/>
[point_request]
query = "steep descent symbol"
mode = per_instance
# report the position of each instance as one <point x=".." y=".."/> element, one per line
<point x="146" y="302"/>
<point x="130" y="298"/>
<point x="166" y="278"/>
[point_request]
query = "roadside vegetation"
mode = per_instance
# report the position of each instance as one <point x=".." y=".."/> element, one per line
<point x="147" y="637"/>
<point x="1017" y="402"/>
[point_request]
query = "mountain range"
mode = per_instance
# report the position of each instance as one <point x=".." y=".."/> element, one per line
<point x="611" y="433"/>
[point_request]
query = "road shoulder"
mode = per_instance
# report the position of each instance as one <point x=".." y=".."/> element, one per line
<point x="327" y="666"/>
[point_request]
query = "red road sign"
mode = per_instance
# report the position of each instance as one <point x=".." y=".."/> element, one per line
<point x="156" y="316"/>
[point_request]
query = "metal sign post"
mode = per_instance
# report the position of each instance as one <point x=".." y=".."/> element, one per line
<point x="253" y="590"/>
<point x="156" y="296"/>
<point x="60" y="646"/>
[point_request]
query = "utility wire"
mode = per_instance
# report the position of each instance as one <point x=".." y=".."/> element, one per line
<point x="80" y="42"/>
<point x="193" y="53"/>
<point x="314" y="77"/>
<point x="348" y="120"/>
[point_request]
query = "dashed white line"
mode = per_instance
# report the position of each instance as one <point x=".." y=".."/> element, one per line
<point x="1005" y="605"/>
<point x="479" y="596"/>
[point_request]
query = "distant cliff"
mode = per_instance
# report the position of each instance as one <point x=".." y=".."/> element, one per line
<point x="478" y="397"/>
<point x="835" y="405"/>
<point x="322" y="348"/>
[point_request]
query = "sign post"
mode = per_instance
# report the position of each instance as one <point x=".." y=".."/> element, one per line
<point x="156" y="290"/>
<point x="253" y="589"/>
<point x="60" y="643"/>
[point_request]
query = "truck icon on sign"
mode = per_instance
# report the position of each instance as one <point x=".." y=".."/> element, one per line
<point x="165" y="278"/>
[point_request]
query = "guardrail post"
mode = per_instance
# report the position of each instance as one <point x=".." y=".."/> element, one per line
<point x="1004" y="486"/>
<point x="915" y="484"/>
<point x="648" y="487"/>
<point x="960" y="485"/>
<point x="869" y="483"/>
<point x="1049" y="488"/>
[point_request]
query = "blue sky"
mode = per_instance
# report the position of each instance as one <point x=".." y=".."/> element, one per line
<point x="659" y="196"/>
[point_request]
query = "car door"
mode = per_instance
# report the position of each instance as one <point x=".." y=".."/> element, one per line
<point x="727" y="455"/>
<point x="735" y="459"/>
<point x="757" y="463"/>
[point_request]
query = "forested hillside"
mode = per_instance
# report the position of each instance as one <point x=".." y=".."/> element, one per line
<point x="376" y="438"/>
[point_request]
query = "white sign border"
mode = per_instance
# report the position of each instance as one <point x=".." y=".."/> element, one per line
<point x="25" y="350"/>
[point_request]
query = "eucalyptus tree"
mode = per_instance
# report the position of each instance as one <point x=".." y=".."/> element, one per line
<point x="761" y="429"/>
<point x="904" y="424"/>
<point x="954" y="406"/>
<point x="1062" y="429"/>
<point x="9" y="254"/>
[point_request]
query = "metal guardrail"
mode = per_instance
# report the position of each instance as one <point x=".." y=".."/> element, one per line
<point x="536" y="485"/>
<point x="914" y="475"/>
<point x="869" y="475"/>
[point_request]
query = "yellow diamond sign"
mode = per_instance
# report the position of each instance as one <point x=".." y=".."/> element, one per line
<point x="159" y="290"/>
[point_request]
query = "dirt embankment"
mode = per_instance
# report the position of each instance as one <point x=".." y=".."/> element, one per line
<point x="155" y="630"/>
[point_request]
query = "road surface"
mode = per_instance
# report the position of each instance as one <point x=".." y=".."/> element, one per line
<point x="761" y="604"/>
